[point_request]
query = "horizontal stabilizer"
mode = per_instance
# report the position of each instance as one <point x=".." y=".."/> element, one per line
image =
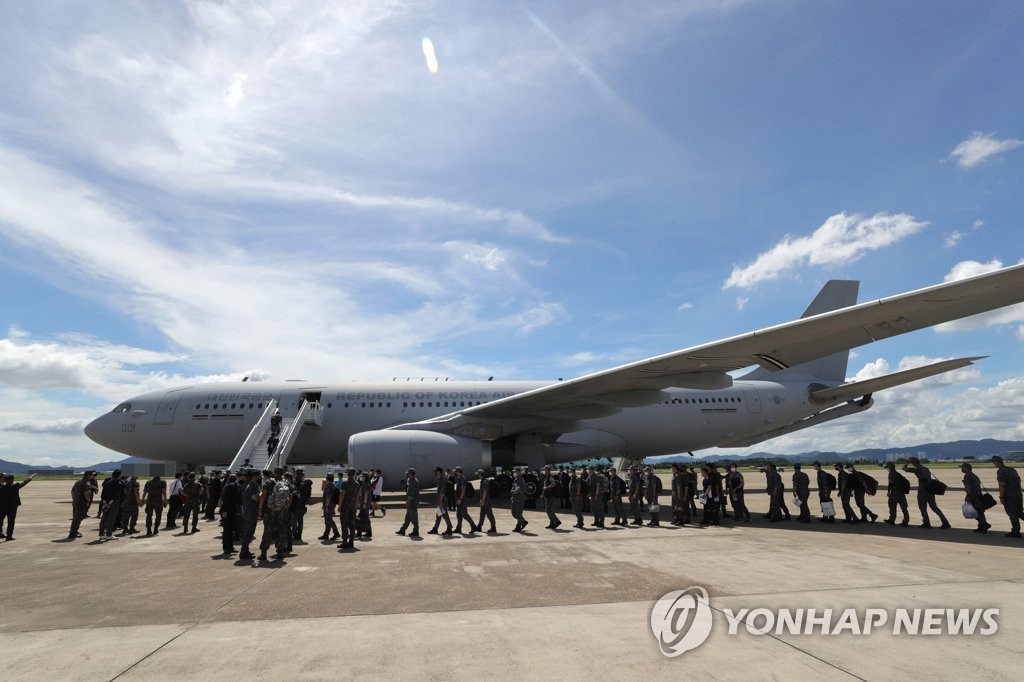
<point x="861" y="388"/>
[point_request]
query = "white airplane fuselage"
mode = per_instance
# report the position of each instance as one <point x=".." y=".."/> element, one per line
<point x="206" y="423"/>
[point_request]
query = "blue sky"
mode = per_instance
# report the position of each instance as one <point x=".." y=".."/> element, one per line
<point x="192" y="191"/>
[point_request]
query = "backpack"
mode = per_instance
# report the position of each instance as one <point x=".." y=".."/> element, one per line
<point x="832" y="482"/>
<point x="470" y="490"/>
<point x="336" y="495"/>
<point x="280" y="496"/>
<point x="936" y="487"/>
<point x="902" y="484"/>
<point x="870" y="484"/>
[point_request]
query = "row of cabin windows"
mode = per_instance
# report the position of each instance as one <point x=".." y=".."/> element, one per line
<point x="695" y="401"/>
<point x="451" y="403"/>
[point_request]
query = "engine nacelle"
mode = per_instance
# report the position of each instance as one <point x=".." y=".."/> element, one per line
<point x="395" y="451"/>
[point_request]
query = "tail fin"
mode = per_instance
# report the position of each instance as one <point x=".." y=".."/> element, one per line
<point x="836" y="294"/>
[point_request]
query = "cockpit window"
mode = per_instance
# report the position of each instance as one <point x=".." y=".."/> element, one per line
<point x="122" y="408"/>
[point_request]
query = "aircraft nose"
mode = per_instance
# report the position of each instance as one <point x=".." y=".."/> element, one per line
<point x="96" y="431"/>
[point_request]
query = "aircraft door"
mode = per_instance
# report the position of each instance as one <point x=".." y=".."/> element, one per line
<point x="753" y="400"/>
<point x="168" y="406"/>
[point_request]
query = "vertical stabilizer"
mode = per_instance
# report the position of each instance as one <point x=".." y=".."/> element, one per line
<point x="836" y="294"/>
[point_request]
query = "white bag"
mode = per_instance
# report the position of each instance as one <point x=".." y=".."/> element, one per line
<point x="439" y="511"/>
<point x="703" y="499"/>
<point x="828" y="508"/>
<point x="655" y="509"/>
<point x="969" y="511"/>
<point x="797" y="502"/>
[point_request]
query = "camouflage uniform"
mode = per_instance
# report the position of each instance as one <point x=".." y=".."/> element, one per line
<point x="155" y="488"/>
<point x="193" y="498"/>
<point x="130" y="507"/>
<point x="276" y="524"/>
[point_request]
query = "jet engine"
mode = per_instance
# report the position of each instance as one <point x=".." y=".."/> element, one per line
<point x="395" y="451"/>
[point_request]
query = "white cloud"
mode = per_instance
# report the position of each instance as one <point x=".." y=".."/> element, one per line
<point x="741" y="302"/>
<point x="841" y="239"/>
<point x="980" y="147"/>
<point x="978" y="224"/>
<point x="56" y="427"/>
<point x="1003" y="316"/>
<point x="685" y="306"/>
<point x="953" y="238"/>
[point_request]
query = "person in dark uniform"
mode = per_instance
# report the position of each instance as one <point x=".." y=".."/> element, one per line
<point x="776" y="493"/>
<point x="518" y="493"/>
<point x="441" y="512"/>
<point x="548" y="492"/>
<point x="213" y="491"/>
<point x="194" y="492"/>
<point x="80" y="502"/>
<point x="925" y="495"/>
<point x="652" y="488"/>
<point x="636" y="492"/>
<point x="678" y="494"/>
<point x="576" y="496"/>
<point x="972" y="494"/>
<point x="250" y="510"/>
<point x="824" y="493"/>
<point x="274" y="502"/>
<point x="735" y="487"/>
<point x="709" y="494"/>
<point x="845" y="494"/>
<point x="110" y="501"/>
<point x="230" y="497"/>
<point x="348" y="504"/>
<point x="412" y="503"/>
<point x="130" y="507"/>
<point x="617" y="488"/>
<point x="691" y="475"/>
<point x="598" y="488"/>
<point x="719" y="479"/>
<point x="486" y="510"/>
<point x="329" y="503"/>
<point x="896" y="495"/>
<point x="10" y="500"/>
<point x="859" y="491"/>
<point x="563" y="482"/>
<point x="802" y="491"/>
<point x="275" y="424"/>
<point x="449" y="489"/>
<point x="1010" y="494"/>
<point x="364" y="528"/>
<point x="461" y="502"/>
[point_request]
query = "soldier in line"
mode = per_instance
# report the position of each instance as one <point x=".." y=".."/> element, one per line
<point x="776" y="494"/>
<point x="652" y="488"/>
<point x="635" y="495"/>
<point x="230" y="497"/>
<point x="461" y="500"/>
<point x="548" y="491"/>
<point x="154" y="499"/>
<point x="710" y="496"/>
<point x="348" y="504"/>
<point x="897" y="494"/>
<point x="679" y="506"/>
<point x="691" y="476"/>
<point x="972" y="494"/>
<point x="617" y="488"/>
<point x="598" y="487"/>
<point x="485" y="503"/>
<point x="734" y="485"/>
<point x="110" y="504"/>
<point x="363" y="527"/>
<point x="329" y="497"/>
<point x="1010" y="494"/>
<point x="130" y="508"/>
<point x="518" y="500"/>
<point x="194" y="492"/>
<point x="925" y="495"/>
<point x="304" y="489"/>
<point x="859" y="489"/>
<point x="275" y="424"/>
<point x="412" y="501"/>
<point x="576" y="496"/>
<point x="10" y="500"/>
<point x="563" y="482"/>
<point x="719" y="481"/>
<point x="802" y="491"/>
<point x="449" y="489"/>
<point x="80" y="495"/>
<point x="275" y="500"/>
<point x="824" y="493"/>
<point x="250" y="510"/>
<point x="213" y="491"/>
<point x="845" y="494"/>
<point x="441" y="512"/>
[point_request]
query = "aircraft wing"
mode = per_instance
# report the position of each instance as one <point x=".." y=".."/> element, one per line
<point x="705" y="366"/>
<point x="857" y="389"/>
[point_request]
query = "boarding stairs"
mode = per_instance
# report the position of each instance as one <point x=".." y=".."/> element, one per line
<point x="254" y="447"/>
<point x="310" y="414"/>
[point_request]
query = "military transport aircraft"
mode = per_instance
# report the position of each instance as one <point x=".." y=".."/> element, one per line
<point x="681" y="401"/>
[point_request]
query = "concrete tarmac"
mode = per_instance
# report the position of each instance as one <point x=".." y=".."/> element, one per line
<point x="564" y="604"/>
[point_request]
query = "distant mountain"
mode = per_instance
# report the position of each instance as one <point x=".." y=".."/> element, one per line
<point x="18" y="468"/>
